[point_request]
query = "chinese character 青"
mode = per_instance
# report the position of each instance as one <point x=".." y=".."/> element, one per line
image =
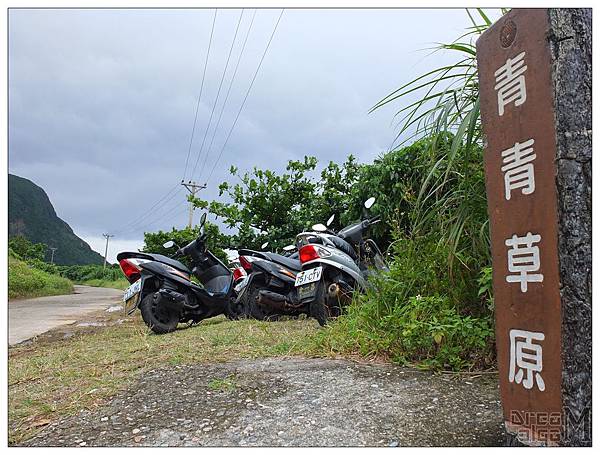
<point x="524" y="258"/>
<point x="526" y="358"/>
<point x="510" y="82"/>
<point x="518" y="168"/>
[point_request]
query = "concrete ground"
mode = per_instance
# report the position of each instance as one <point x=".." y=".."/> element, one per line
<point x="290" y="402"/>
<point x="31" y="317"/>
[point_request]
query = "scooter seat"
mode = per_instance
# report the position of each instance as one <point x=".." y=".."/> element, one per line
<point x="291" y="262"/>
<point x="288" y="262"/>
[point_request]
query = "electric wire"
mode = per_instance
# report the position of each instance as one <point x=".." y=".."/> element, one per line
<point x="218" y="93"/>
<point x="146" y="213"/>
<point x="142" y="221"/>
<point x="133" y="224"/>
<point x="200" y="94"/>
<point x="245" y="97"/>
<point x="164" y="215"/>
<point x="227" y="96"/>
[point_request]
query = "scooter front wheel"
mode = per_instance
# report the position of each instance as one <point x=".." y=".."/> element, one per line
<point x="158" y="317"/>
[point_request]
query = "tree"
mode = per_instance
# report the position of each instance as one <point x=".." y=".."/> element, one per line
<point x="26" y="249"/>
<point x="272" y="207"/>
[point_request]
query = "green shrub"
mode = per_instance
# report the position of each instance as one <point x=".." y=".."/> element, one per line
<point x="418" y="313"/>
<point x="80" y="273"/>
<point x="26" y="281"/>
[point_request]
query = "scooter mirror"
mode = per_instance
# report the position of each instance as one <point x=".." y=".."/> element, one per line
<point x="330" y="220"/>
<point x="289" y="247"/>
<point x="264" y="245"/>
<point x="369" y="202"/>
<point x="169" y="244"/>
<point x="203" y="219"/>
<point x="319" y="227"/>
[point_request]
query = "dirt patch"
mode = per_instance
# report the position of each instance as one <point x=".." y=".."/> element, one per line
<point x="289" y="402"/>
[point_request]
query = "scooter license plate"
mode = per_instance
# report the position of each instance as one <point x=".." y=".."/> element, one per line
<point x="132" y="290"/>
<point x="131" y="304"/>
<point x="309" y="276"/>
<point x="307" y="291"/>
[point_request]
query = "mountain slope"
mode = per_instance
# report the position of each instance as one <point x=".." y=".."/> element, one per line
<point x="31" y="214"/>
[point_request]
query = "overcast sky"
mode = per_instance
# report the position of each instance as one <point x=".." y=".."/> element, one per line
<point x="102" y="102"/>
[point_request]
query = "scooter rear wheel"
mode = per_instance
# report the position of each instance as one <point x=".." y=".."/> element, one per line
<point x="158" y="317"/>
<point x="252" y="308"/>
<point x="318" y="307"/>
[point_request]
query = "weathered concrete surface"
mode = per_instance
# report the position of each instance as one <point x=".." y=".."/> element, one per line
<point x="290" y="402"/>
<point x="31" y="317"/>
<point x="571" y="46"/>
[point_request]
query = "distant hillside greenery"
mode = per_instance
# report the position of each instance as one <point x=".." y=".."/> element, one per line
<point x="31" y="214"/>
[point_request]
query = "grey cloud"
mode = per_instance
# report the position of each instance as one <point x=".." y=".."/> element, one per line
<point x="102" y="101"/>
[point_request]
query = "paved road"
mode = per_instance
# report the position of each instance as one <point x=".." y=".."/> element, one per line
<point x="31" y="317"/>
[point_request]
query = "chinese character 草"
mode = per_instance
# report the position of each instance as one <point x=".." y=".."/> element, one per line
<point x="510" y="82"/>
<point x="524" y="258"/>
<point x="526" y="358"/>
<point x="518" y="168"/>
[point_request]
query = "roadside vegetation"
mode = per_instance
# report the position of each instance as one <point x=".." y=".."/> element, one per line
<point x="25" y="281"/>
<point x="95" y="275"/>
<point x="28" y="274"/>
<point x="31" y="276"/>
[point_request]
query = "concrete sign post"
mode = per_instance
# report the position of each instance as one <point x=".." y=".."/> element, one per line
<point x="538" y="184"/>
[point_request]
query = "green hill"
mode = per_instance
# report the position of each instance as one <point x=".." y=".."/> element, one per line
<point x="31" y="214"/>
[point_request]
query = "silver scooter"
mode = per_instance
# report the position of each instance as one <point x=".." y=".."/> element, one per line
<point x="334" y="265"/>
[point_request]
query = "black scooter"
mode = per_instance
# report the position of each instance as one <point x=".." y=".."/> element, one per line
<point x="163" y="291"/>
<point x="269" y="291"/>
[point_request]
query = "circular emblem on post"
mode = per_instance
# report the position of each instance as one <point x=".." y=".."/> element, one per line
<point x="508" y="33"/>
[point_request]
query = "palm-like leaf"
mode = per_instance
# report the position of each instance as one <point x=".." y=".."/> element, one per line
<point x="451" y="199"/>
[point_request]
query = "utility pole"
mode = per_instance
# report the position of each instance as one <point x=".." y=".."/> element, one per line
<point x="106" y="236"/>
<point x="193" y="188"/>
<point x="52" y="257"/>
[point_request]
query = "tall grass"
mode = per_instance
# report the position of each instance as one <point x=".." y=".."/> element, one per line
<point x="433" y="308"/>
<point x="451" y="196"/>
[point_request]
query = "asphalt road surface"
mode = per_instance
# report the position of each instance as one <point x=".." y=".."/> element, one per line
<point x="31" y="317"/>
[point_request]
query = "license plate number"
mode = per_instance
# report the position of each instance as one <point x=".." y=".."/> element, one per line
<point x="309" y="276"/>
<point x="132" y="290"/>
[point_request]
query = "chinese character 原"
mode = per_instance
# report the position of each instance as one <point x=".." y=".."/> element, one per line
<point x="526" y="358"/>
<point x="510" y="82"/>
<point x="524" y="258"/>
<point x="518" y="168"/>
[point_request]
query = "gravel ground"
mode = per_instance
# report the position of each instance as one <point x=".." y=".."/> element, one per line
<point x="290" y="402"/>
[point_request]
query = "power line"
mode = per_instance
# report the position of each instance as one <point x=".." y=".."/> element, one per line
<point x="132" y="225"/>
<point x="135" y="223"/>
<point x="218" y="93"/>
<point x="164" y="215"/>
<point x="245" y="97"/>
<point x="227" y="95"/>
<point x="147" y="212"/>
<point x="142" y="221"/>
<point x="200" y="94"/>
